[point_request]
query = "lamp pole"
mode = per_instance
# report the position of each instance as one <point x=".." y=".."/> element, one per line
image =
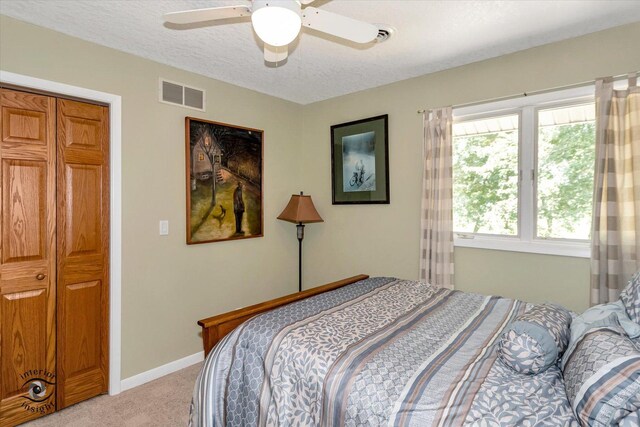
<point x="300" y="229"/>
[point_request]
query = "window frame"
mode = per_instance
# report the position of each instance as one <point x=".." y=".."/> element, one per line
<point x="486" y="115"/>
<point x="536" y="134"/>
<point x="527" y="107"/>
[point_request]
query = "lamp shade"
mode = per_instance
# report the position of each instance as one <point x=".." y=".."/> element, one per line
<point x="300" y="209"/>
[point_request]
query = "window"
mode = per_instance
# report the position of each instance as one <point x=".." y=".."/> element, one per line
<point x="523" y="173"/>
<point x="485" y="183"/>
<point x="565" y="160"/>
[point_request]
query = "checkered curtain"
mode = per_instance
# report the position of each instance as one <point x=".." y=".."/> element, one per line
<point x="436" y="243"/>
<point x="615" y="234"/>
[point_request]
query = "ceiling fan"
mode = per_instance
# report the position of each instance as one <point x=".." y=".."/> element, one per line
<point x="278" y="22"/>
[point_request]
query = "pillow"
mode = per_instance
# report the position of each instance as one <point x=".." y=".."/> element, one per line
<point x="630" y="297"/>
<point x="602" y="376"/>
<point x="595" y="314"/>
<point x="536" y="339"/>
<point x="602" y="311"/>
<point x="631" y="420"/>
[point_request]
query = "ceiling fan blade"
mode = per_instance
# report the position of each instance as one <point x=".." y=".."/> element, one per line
<point x="338" y="25"/>
<point x="306" y="1"/>
<point x="275" y="53"/>
<point x="210" y="14"/>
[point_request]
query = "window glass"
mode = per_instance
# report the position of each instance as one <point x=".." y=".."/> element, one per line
<point x="485" y="175"/>
<point x="565" y="158"/>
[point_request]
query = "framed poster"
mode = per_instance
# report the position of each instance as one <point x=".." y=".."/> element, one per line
<point x="224" y="181"/>
<point x="360" y="162"/>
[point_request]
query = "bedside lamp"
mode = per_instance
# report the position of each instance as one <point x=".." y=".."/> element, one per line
<point x="300" y="211"/>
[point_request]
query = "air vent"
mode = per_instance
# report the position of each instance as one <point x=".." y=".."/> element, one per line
<point x="179" y="94"/>
<point x="384" y="33"/>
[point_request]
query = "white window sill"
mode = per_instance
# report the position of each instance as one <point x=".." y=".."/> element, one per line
<point x="546" y="247"/>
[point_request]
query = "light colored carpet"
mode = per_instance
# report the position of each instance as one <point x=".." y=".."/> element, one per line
<point x="160" y="403"/>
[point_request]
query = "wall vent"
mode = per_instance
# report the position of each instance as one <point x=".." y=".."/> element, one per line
<point x="179" y="94"/>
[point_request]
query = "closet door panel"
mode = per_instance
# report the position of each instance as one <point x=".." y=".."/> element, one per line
<point x="83" y="333"/>
<point x="83" y="236"/>
<point x="27" y="256"/>
<point x="23" y="208"/>
<point x="83" y="251"/>
<point x="27" y="312"/>
<point x="24" y="126"/>
<point x="83" y="325"/>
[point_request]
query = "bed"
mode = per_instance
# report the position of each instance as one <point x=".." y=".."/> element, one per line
<point x="379" y="351"/>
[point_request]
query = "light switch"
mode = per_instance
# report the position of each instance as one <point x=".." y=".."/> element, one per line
<point x="164" y="227"/>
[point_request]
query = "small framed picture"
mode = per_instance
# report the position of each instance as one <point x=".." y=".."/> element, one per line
<point x="360" y="162"/>
<point x="224" y="181"/>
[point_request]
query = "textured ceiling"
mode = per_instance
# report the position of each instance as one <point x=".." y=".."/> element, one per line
<point x="431" y="36"/>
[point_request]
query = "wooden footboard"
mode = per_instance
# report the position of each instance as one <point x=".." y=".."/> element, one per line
<point x="216" y="327"/>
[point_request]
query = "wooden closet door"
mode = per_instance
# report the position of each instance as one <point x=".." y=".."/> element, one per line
<point x="27" y="256"/>
<point x="83" y="251"/>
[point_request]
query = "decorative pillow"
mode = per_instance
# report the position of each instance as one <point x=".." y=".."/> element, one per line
<point x="536" y="339"/>
<point x="602" y="311"/>
<point x="593" y="316"/>
<point x="631" y="420"/>
<point x="630" y="297"/>
<point x="602" y="376"/>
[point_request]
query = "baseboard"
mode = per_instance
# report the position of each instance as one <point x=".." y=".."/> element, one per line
<point x="161" y="371"/>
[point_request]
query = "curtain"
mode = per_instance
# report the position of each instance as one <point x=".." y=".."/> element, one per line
<point x="615" y="234"/>
<point x="436" y="244"/>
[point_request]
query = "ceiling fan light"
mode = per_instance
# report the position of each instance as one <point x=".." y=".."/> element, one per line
<point x="277" y="23"/>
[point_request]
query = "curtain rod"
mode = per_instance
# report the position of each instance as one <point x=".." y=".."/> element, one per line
<point x="537" y="92"/>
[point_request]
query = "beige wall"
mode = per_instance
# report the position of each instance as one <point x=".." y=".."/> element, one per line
<point x="384" y="240"/>
<point x="167" y="285"/>
<point x="529" y="277"/>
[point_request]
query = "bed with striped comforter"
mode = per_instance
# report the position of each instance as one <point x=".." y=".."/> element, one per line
<point x="382" y="351"/>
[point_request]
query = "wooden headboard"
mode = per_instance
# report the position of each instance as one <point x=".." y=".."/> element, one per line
<point x="216" y="327"/>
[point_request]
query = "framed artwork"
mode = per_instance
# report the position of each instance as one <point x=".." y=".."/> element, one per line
<point x="360" y="161"/>
<point x="224" y="181"/>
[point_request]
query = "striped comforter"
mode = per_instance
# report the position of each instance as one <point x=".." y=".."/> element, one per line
<point x="382" y="351"/>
